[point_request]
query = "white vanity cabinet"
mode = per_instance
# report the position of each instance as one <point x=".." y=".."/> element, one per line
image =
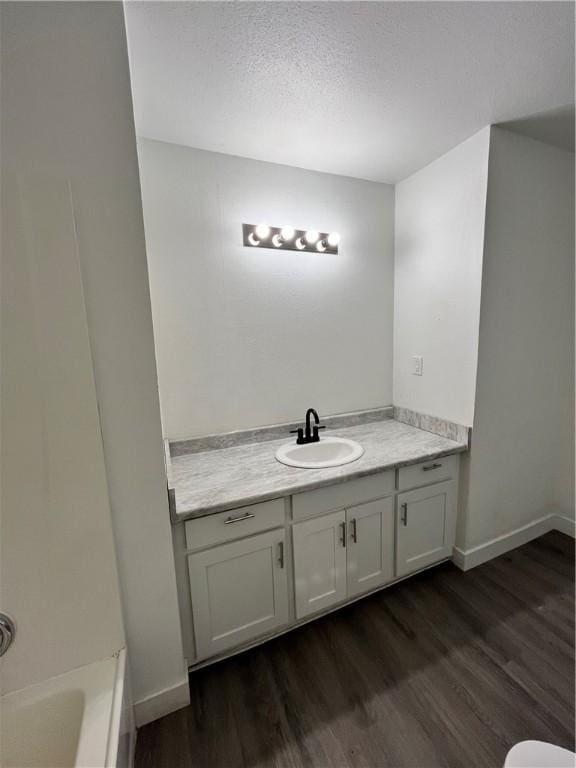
<point x="343" y="554"/>
<point x="370" y="553"/>
<point x="425" y="526"/>
<point x="319" y="562"/>
<point x="253" y="572"/>
<point x="239" y="591"/>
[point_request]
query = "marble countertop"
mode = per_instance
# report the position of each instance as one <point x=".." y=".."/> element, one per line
<point x="218" y="480"/>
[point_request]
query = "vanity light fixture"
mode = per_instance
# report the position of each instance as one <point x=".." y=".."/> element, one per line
<point x="333" y="239"/>
<point x="331" y="242"/>
<point x="262" y="231"/>
<point x="288" y="238"/>
<point x="285" y="235"/>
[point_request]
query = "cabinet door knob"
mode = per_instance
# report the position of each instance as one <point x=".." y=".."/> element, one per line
<point x="343" y="540"/>
<point x="281" y="554"/>
<point x="431" y="466"/>
<point x="354" y="531"/>
<point x="404" y="508"/>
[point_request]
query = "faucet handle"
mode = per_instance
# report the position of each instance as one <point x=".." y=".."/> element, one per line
<point x="315" y="435"/>
<point x="300" y="433"/>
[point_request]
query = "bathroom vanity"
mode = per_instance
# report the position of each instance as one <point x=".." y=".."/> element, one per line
<point x="261" y="547"/>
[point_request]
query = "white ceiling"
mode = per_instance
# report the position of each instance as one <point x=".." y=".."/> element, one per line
<point x="374" y="90"/>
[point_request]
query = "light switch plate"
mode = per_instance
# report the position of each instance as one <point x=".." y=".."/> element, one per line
<point x="417" y="365"/>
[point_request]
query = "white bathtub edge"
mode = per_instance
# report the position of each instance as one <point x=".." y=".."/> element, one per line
<point x="116" y="712"/>
<point x="95" y="682"/>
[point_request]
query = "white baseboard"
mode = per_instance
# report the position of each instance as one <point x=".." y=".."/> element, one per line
<point x="162" y="703"/>
<point x="470" y="558"/>
<point x="564" y="525"/>
<point x="459" y="559"/>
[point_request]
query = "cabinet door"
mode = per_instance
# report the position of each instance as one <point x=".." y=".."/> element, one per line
<point x="319" y="562"/>
<point x="370" y="558"/>
<point x="425" y="526"/>
<point x="239" y="591"/>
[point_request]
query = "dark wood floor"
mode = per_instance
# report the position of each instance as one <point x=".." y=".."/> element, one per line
<point x="445" y="669"/>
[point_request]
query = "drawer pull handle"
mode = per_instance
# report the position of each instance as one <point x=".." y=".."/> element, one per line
<point x="281" y="554"/>
<point x="431" y="466"/>
<point x="354" y="531"/>
<point x="404" y="517"/>
<point x="343" y="539"/>
<point x="247" y="516"/>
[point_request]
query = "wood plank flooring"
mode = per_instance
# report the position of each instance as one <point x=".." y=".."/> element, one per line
<point x="445" y="669"/>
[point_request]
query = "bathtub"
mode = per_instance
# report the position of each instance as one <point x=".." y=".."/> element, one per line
<point x="77" y="719"/>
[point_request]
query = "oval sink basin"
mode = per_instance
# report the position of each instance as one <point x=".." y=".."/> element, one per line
<point x="329" y="452"/>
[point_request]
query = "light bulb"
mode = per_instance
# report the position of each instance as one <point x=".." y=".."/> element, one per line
<point x="333" y="239"/>
<point x="287" y="233"/>
<point x="252" y="239"/>
<point x="311" y="236"/>
<point x="300" y="244"/>
<point x="277" y="241"/>
<point x="262" y="231"/>
<point x="321" y="245"/>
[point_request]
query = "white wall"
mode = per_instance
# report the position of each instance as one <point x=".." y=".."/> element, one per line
<point x="522" y="458"/>
<point x="438" y="265"/>
<point x="67" y="113"/>
<point x="247" y="337"/>
<point x="58" y="569"/>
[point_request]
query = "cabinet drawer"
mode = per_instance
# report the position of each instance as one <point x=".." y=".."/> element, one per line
<point x="233" y="524"/>
<point x="342" y="495"/>
<point x="428" y="472"/>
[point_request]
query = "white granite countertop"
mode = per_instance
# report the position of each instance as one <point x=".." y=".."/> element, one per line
<point x="218" y="480"/>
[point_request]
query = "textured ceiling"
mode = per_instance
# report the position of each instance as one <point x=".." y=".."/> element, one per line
<point x="374" y="90"/>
